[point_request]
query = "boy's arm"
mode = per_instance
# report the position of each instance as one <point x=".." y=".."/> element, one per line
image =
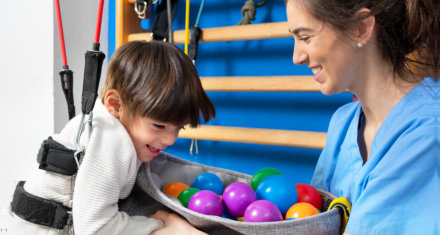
<point x="174" y="224"/>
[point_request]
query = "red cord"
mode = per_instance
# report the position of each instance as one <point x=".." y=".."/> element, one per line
<point x="98" y="21"/>
<point x="60" y="32"/>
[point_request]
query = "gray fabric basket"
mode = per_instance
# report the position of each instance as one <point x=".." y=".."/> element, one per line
<point x="147" y="197"/>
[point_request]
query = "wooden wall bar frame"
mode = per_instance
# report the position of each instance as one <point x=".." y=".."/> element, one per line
<point x="127" y="21"/>
<point x="229" y="33"/>
<point x="303" y="139"/>
<point x="261" y="83"/>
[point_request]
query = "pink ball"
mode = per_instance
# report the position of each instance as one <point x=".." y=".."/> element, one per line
<point x="262" y="211"/>
<point x="237" y="196"/>
<point x="206" y="202"/>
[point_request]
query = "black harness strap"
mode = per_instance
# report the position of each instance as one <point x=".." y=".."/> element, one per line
<point x="54" y="157"/>
<point x="66" y="77"/>
<point x="92" y="74"/>
<point x="194" y="42"/>
<point x="160" y="24"/>
<point x="39" y="210"/>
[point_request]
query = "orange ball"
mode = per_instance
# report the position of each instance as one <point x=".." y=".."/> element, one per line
<point x="174" y="189"/>
<point x="301" y="210"/>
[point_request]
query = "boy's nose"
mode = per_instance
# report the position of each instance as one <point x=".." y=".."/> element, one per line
<point x="169" y="139"/>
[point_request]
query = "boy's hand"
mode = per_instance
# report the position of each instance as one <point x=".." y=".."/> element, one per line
<point x="174" y="224"/>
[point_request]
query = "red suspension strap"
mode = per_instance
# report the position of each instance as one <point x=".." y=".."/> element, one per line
<point x="60" y="32"/>
<point x="98" y="21"/>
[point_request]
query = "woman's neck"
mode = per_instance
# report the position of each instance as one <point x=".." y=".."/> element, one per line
<point x="378" y="91"/>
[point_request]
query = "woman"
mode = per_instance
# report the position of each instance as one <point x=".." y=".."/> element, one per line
<point x="383" y="151"/>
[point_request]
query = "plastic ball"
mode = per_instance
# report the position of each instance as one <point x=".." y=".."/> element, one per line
<point x="301" y="210"/>
<point x="174" y="189"/>
<point x="237" y="196"/>
<point x="209" y="181"/>
<point x="226" y="215"/>
<point x="279" y="190"/>
<point x="206" y="202"/>
<point x="186" y="194"/>
<point x="262" y="211"/>
<point x="307" y="193"/>
<point x="261" y="174"/>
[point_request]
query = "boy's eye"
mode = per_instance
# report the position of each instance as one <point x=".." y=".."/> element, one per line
<point x="159" y="126"/>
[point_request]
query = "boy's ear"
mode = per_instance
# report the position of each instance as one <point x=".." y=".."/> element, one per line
<point x="364" y="30"/>
<point x="112" y="102"/>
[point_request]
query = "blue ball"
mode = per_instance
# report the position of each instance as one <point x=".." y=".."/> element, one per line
<point x="279" y="190"/>
<point x="209" y="181"/>
<point x="227" y="215"/>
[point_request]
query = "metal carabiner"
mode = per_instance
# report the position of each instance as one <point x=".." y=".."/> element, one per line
<point x="140" y="9"/>
<point x="80" y="129"/>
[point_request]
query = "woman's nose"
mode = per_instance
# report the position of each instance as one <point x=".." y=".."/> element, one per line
<point x="299" y="55"/>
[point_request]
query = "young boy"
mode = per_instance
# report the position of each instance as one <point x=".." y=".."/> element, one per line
<point x="150" y="92"/>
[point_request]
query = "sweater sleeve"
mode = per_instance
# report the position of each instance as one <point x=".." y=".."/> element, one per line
<point x="107" y="173"/>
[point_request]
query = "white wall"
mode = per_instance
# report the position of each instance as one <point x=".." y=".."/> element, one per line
<point x="33" y="105"/>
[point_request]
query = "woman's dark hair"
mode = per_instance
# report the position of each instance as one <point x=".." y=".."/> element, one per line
<point x="157" y="80"/>
<point x="405" y="29"/>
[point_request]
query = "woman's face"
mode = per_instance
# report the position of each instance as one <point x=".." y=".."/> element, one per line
<point x="325" y="51"/>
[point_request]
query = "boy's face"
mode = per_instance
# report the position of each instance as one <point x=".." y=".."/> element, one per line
<point x="149" y="136"/>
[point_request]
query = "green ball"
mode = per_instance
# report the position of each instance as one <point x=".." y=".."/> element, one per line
<point x="261" y="174"/>
<point x="186" y="194"/>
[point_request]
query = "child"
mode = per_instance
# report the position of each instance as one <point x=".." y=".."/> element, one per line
<point x="150" y="92"/>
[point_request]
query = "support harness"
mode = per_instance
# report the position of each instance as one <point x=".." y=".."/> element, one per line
<point x="55" y="157"/>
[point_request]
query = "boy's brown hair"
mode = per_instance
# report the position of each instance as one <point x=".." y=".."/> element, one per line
<point x="157" y="80"/>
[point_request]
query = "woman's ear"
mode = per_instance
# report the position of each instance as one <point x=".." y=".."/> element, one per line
<point x="113" y="103"/>
<point x="364" y="30"/>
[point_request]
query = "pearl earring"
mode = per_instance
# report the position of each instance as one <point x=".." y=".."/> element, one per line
<point x="360" y="44"/>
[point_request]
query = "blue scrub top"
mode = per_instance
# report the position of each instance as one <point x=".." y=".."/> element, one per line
<point x="397" y="191"/>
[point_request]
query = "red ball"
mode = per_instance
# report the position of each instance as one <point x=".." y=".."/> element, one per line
<point x="307" y="193"/>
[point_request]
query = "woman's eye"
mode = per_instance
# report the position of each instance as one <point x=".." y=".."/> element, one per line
<point x="304" y="38"/>
<point x="159" y="126"/>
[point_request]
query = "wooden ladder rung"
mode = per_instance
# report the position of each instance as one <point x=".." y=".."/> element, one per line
<point x="303" y="139"/>
<point x="261" y="83"/>
<point x="228" y="33"/>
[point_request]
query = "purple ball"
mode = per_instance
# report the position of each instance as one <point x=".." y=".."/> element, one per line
<point x="237" y="196"/>
<point x="206" y="202"/>
<point x="262" y="211"/>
